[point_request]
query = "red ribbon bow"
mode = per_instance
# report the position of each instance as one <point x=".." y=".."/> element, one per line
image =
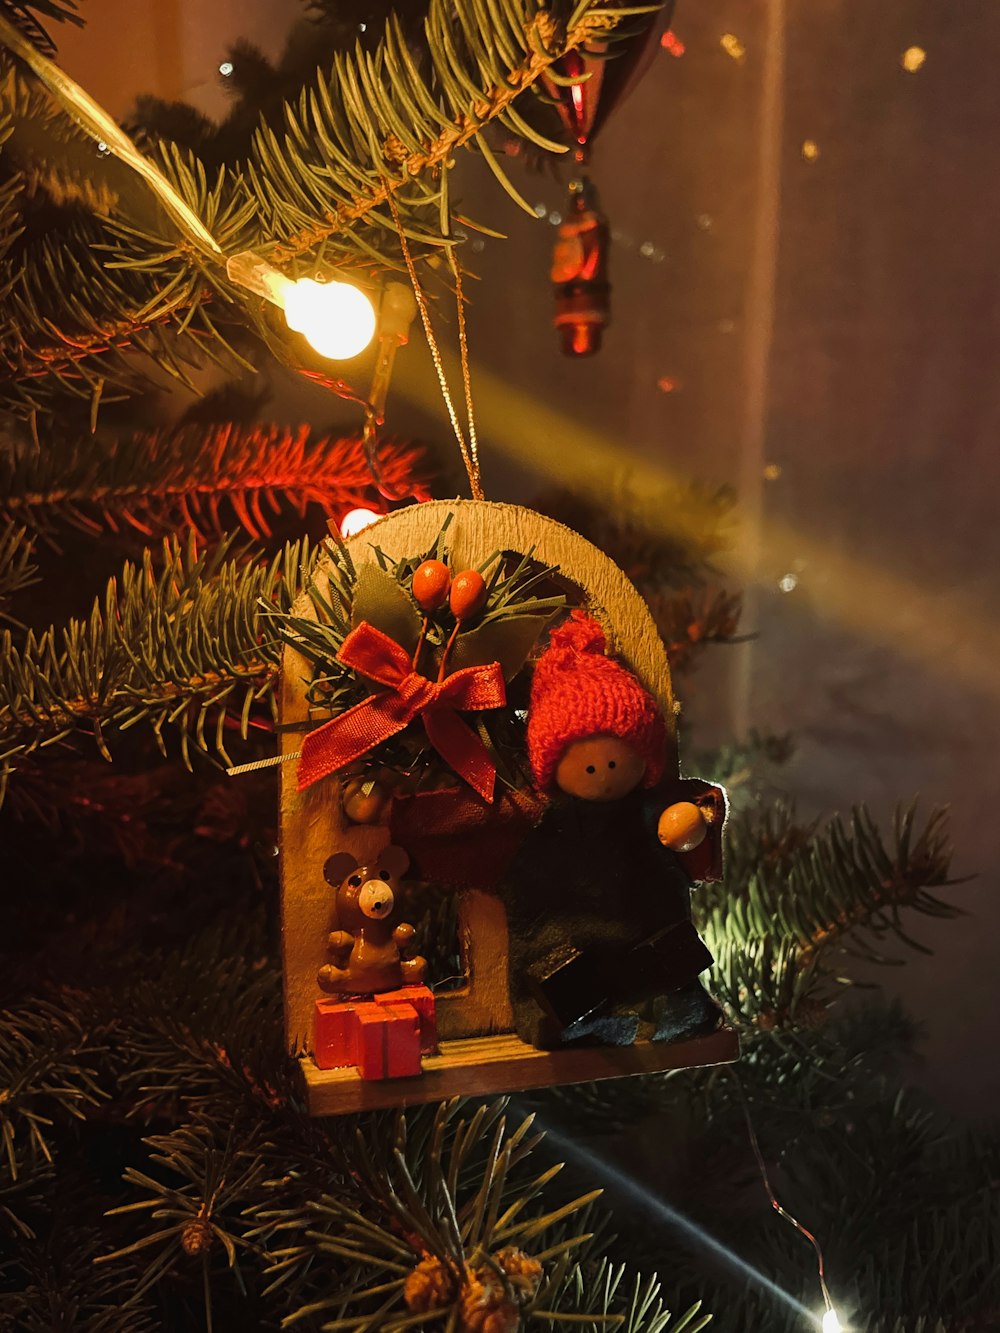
<point x="345" y="738"/>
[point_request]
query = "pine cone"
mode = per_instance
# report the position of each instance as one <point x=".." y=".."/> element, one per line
<point x="485" y="1307"/>
<point x="196" y="1236"/>
<point x="431" y="1286"/>
<point x="523" y="1272"/>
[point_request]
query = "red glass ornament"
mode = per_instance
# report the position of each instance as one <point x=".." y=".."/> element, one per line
<point x="580" y="275"/>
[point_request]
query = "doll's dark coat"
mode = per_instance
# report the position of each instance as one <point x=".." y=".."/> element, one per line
<point x="592" y="877"/>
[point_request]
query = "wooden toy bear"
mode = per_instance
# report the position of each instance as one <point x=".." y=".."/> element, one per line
<point x="368" y="950"/>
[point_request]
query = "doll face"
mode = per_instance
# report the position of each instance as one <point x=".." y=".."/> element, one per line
<point x="600" y="768"/>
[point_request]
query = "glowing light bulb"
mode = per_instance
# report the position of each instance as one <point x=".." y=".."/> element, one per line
<point x="831" y="1323"/>
<point x="356" y="520"/>
<point x="337" y="319"/>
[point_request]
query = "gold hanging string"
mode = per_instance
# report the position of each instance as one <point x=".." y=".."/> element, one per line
<point x="470" y="457"/>
<point x="463" y="343"/>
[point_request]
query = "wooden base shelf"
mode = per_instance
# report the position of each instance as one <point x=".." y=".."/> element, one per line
<point x="478" y="1066"/>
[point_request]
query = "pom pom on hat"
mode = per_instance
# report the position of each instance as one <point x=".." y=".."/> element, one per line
<point x="578" y="692"/>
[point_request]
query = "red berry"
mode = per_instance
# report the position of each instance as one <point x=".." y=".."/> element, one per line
<point x="468" y="594"/>
<point x="430" y="584"/>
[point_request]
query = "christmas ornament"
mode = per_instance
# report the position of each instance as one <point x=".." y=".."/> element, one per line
<point x="585" y="86"/>
<point x="580" y="273"/>
<point x="441" y="698"/>
<point x="408" y="666"/>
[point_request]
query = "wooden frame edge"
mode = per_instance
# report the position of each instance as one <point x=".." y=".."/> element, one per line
<point x="481" y="1066"/>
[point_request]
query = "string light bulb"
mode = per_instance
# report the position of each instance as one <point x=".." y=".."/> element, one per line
<point x="356" y="520"/>
<point x="336" y="318"/>
<point x="831" y="1323"/>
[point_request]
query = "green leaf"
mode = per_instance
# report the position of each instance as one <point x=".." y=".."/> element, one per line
<point x="380" y="600"/>
<point x="508" y="641"/>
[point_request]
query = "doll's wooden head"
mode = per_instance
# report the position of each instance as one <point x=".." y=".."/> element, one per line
<point x="594" y="731"/>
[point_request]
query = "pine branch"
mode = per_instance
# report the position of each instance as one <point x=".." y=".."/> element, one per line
<point x="202" y="1030"/>
<point x="56" y="1284"/>
<point x="793" y="894"/>
<point x="666" y="538"/>
<point x="181" y="646"/>
<point x="690" y="620"/>
<point x="445" y="1223"/>
<point x="736" y="763"/>
<point x="20" y="14"/>
<point x="601" y="1293"/>
<point x="377" y="125"/>
<point x="203" y="479"/>
<point x="479" y="68"/>
<point x="112" y="287"/>
<point x="17" y="570"/>
<point x="202" y="1214"/>
<point x="48" y="1065"/>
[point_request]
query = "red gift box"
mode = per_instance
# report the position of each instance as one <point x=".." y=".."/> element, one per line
<point x="388" y="1040"/>
<point x="422" y="999"/>
<point x="335" y="1034"/>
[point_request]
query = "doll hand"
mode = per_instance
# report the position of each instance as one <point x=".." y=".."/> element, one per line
<point x="403" y="934"/>
<point x="682" y="826"/>
<point x="339" y="941"/>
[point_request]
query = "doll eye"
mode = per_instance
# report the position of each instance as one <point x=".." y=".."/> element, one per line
<point x="383" y="874"/>
<point x="612" y="764"/>
<point x="355" y="881"/>
<point x="591" y="768"/>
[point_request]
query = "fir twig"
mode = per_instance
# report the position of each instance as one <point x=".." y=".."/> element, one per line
<point x="17" y="570"/>
<point x="376" y="124"/>
<point x="202" y="479"/>
<point x="794" y="895"/>
<point x="181" y="646"/>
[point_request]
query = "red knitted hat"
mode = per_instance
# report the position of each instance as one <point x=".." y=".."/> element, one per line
<point x="578" y="692"/>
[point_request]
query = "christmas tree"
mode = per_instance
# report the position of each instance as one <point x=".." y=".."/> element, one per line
<point x="159" y="1169"/>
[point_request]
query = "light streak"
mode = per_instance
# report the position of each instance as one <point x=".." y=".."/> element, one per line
<point x="664" y="1212"/>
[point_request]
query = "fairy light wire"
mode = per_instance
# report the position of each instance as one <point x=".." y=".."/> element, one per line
<point x="95" y="121"/>
<point x="775" y="1201"/>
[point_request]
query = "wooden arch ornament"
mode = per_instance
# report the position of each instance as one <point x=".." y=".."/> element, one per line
<point x="479" y="1052"/>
